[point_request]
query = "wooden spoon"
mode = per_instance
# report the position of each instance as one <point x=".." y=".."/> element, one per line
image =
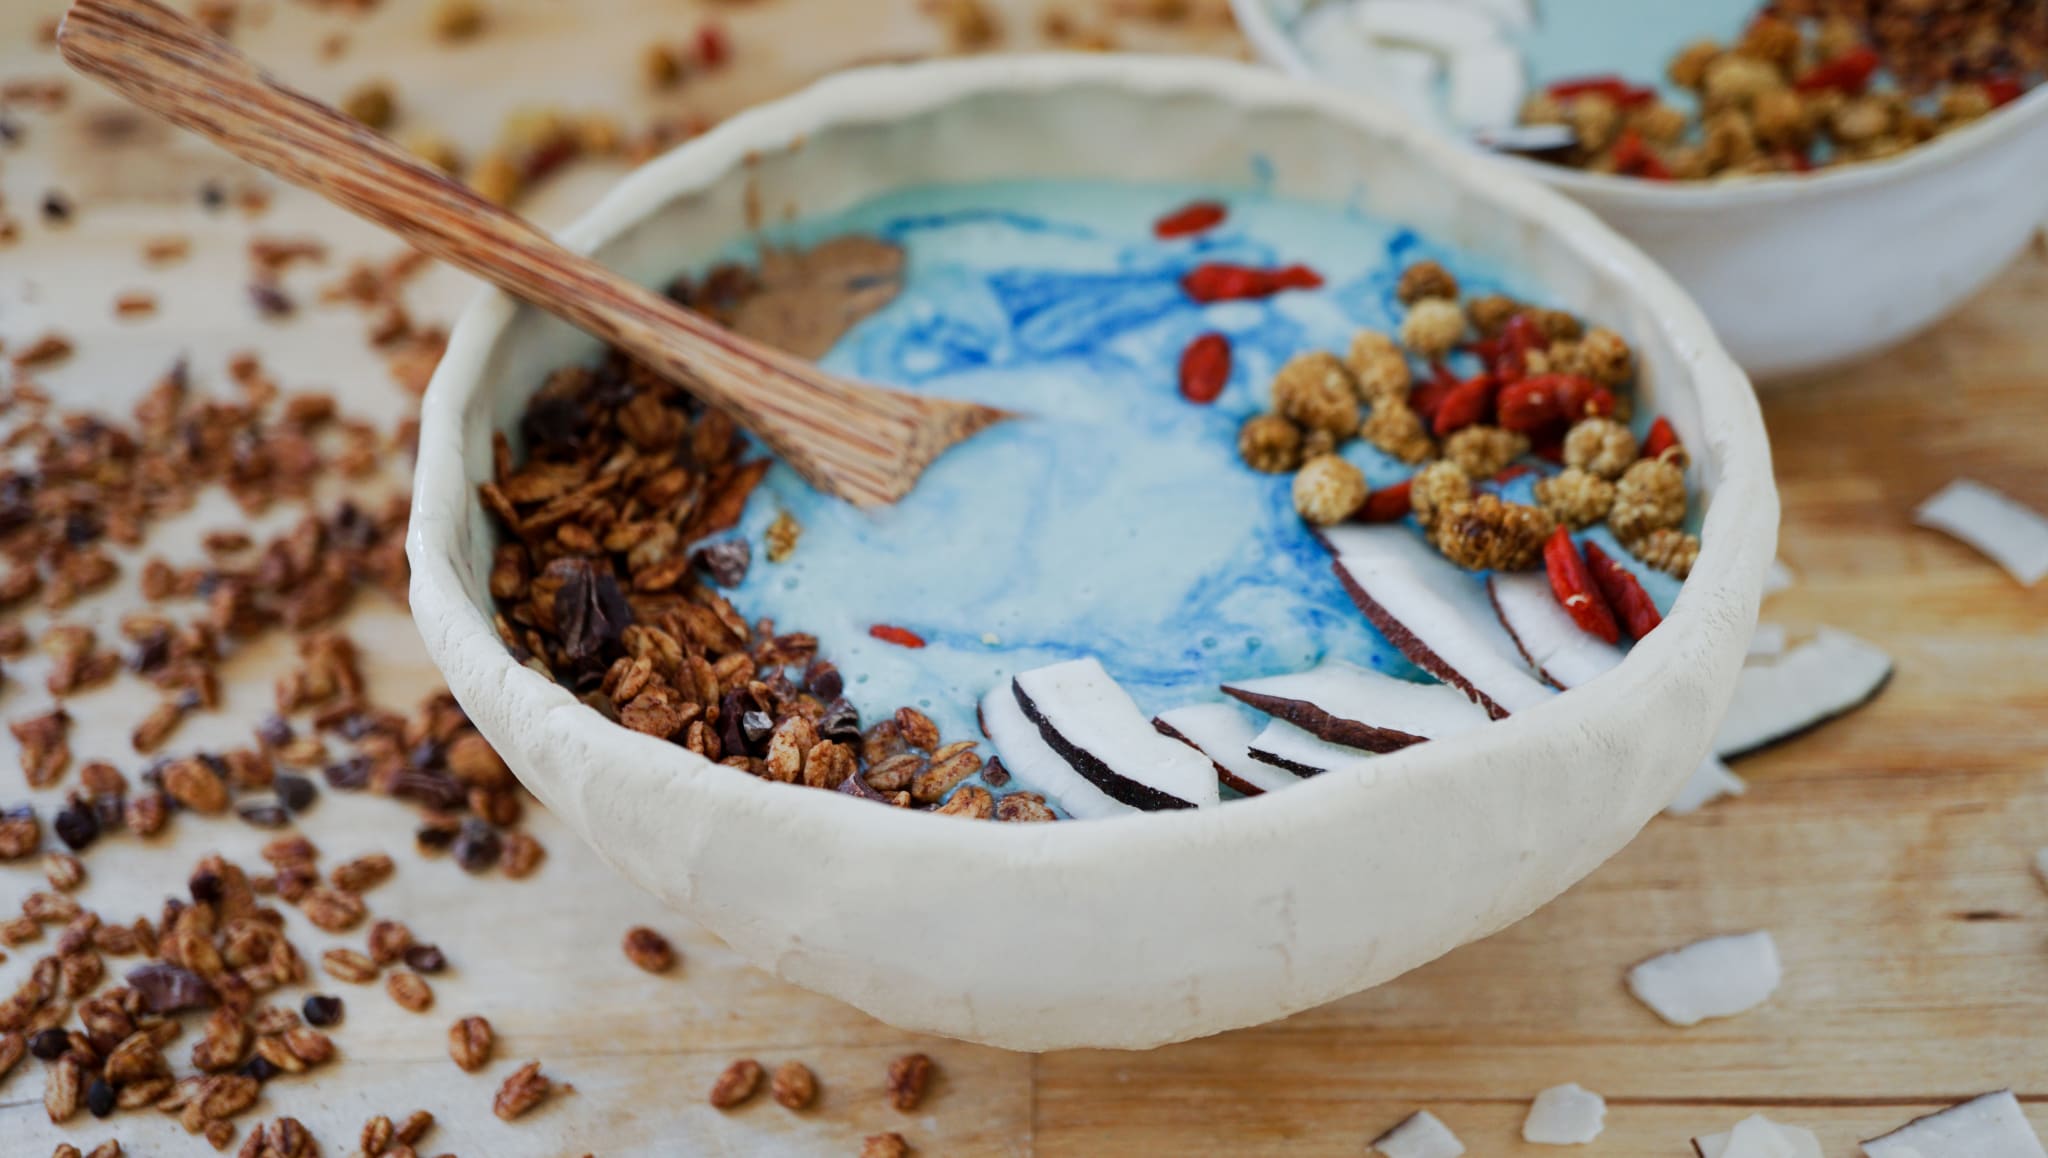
<point x="864" y="444"/>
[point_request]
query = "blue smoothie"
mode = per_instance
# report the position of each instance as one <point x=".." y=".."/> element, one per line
<point x="1115" y="519"/>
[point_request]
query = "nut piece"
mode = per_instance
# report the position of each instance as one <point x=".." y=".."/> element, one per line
<point x="469" y="1043"/>
<point x="1269" y="443"/>
<point x="794" y="1086"/>
<point x="1328" y="489"/>
<point x="525" y="1089"/>
<point x="1315" y="391"/>
<point x="908" y="1076"/>
<point x="649" y="949"/>
<point x="1600" y="446"/>
<point x="1426" y="279"/>
<point x="1432" y="327"/>
<point x="890" y="1145"/>
<point x="736" y="1084"/>
<point x="410" y="990"/>
<point x="1576" y="497"/>
<point x="1379" y="366"/>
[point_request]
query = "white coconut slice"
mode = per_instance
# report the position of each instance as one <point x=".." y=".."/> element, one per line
<point x="1361" y="708"/>
<point x="1444" y="29"/>
<point x="1778" y="577"/>
<point x="1407" y="78"/>
<point x="1549" y="638"/>
<point x="1758" y="1137"/>
<point x="1767" y="641"/>
<point x="1991" y="1126"/>
<point x="1717" y="977"/>
<point x="1528" y="140"/>
<point x="1223" y="733"/>
<point x="1566" y="1115"/>
<point x="1487" y="84"/>
<point x="2013" y="535"/>
<point x="1811" y="684"/>
<point x="1438" y="615"/>
<point x="1512" y="14"/>
<point x="1420" y="1135"/>
<point x="1033" y="764"/>
<point x="1282" y="745"/>
<point x="1709" y="782"/>
<point x="1095" y="726"/>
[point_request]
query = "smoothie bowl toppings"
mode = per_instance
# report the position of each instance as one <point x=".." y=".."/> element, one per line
<point x="1293" y="487"/>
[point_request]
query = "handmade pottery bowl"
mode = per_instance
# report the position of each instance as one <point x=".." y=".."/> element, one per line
<point x="1805" y="273"/>
<point x="1145" y="929"/>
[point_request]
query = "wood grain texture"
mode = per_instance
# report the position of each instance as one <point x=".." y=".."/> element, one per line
<point x="1888" y="852"/>
<point x="864" y="444"/>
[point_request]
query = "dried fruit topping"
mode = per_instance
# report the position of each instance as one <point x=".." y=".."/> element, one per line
<point x="1572" y="582"/>
<point x="901" y="637"/>
<point x="1205" y="368"/>
<point x="1218" y="281"/>
<point x="1624" y="593"/>
<point x="1190" y="219"/>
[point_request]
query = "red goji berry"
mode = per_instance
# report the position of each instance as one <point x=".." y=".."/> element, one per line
<point x="1529" y="406"/>
<point x="1849" y="72"/>
<point x="1469" y="404"/>
<point x="1511" y="472"/>
<point x="1572" y="582"/>
<point x="1614" y="88"/>
<point x="1427" y="398"/>
<point x="1218" y="281"/>
<point x="901" y="637"/>
<point x="1623" y="591"/>
<point x="712" y="46"/>
<point x="1660" y="439"/>
<point x="1633" y="158"/>
<point x="1582" y="398"/>
<point x="1510" y="359"/>
<point x="1190" y="219"/>
<point x="1205" y="368"/>
<point x="1385" y="505"/>
<point x="2003" y="90"/>
<point x="1549" y="448"/>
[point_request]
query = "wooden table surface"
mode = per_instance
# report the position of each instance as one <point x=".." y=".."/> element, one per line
<point x="1888" y="852"/>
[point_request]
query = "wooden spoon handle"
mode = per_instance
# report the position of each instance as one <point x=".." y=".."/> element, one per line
<point x="178" y="69"/>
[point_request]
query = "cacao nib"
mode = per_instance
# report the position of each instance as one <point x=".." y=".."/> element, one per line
<point x="78" y="825"/>
<point x="275" y="731"/>
<point x="350" y="775"/>
<point x="840" y="722"/>
<point x="477" y="845"/>
<point x="590" y="612"/>
<point x="726" y="562"/>
<point x="425" y="958"/>
<point x="259" y="1067"/>
<point x="107" y="809"/>
<point x="432" y="789"/>
<point x="169" y="988"/>
<point x="206" y="886"/>
<point x="99" y="1098"/>
<point x="823" y="680"/>
<point x="49" y="1044"/>
<point x="994" y="774"/>
<point x="322" y="1010"/>
<point x="264" y="815"/>
<point x="296" y="793"/>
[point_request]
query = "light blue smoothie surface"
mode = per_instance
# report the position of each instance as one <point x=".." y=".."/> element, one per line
<point x="1115" y="519"/>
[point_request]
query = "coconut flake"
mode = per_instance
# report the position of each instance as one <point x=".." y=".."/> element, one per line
<point x="1566" y="1115"/>
<point x="1283" y="745"/>
<point x="1033" y="764"/>
<point x="1437" y="614"/>
<point x="1990" y="1126"/>
<point x="1093" y="724"/>
<point x="1717" y="977"/>
<point x="1223" y="733"/>
<point x="1709" y="782"/>
<point x="2013" y="535"/>
<point x="1758" y="1137"/>
<point x="1549" y="638"/>
<point x="1420" y="1135"/>
<point x="1348" y="704"/>
<point x="1813" y="683"/>
<point x="1767" y="641"/>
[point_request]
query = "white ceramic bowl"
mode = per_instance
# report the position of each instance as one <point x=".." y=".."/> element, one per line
<point x="1805" y="273"/>
<point x="1154" y="927"/>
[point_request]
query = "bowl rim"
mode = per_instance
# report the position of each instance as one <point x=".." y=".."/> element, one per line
<point x="1260" y="26"/>
<point x="1726" y="581"/>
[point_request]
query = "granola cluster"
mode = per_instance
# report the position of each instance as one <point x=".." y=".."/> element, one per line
<point x="1809" y="84"/>
<point x="609" y="581"/>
